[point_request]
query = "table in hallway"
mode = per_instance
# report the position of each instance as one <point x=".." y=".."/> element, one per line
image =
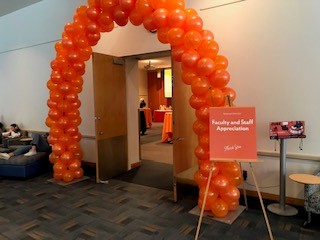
<point x="158" y="115"/>
<point x="167" y="127"/>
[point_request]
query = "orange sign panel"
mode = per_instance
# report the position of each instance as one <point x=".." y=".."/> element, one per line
<point x="233" y="133"/>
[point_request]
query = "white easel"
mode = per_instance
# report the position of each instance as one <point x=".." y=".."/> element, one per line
<point x="250" y="161"/>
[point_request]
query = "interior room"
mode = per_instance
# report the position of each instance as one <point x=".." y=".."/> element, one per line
<point x="128" y="102"/>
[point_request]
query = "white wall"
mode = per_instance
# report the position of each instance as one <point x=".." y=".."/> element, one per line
<point x="272" y="47"/>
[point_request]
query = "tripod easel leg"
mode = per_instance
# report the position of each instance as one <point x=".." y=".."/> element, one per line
<point x="204" y="202"/>
<point x="261" y="202"/>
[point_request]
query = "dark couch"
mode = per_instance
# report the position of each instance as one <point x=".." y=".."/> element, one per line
<point x="24" y="167"/>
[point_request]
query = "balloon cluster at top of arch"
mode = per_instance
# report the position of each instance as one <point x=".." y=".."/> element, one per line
<point x="202" y="68"/>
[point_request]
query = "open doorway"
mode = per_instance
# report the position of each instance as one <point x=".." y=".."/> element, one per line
<point x="156" y="153"/>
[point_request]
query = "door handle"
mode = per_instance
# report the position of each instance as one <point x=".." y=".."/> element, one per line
<point x="100" y="133"/>
<point x="97" y="118"/>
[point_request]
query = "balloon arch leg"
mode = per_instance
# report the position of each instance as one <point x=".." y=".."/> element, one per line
<point x="203" y="69"/>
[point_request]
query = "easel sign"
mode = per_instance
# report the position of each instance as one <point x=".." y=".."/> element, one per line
<point x="233" y="134"/>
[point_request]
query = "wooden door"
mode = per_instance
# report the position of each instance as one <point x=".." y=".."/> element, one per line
<point x="183" y="119"/>
<point x="110" y="115"/>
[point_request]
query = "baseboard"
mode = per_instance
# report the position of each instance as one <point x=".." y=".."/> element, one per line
<point x="136" y="164"/>
<point x="273" y="197"/>
<point x="88" y="164"/>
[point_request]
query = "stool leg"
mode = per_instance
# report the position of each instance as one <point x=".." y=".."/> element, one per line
<point x="307" y="223"/>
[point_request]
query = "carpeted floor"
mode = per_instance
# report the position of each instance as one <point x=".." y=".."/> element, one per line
<point x="128" y="208"/>
<point x="36" y="209"/>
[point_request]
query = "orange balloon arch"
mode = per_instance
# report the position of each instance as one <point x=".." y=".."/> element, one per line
<point x="203" y="69"/>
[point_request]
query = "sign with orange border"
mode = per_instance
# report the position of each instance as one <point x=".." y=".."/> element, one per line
<point x="233" y="134"/>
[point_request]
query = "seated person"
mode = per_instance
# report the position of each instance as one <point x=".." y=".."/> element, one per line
<point x="13" y="132"/>
<point x="2" y="129"/>
<point x="38" y="143"/>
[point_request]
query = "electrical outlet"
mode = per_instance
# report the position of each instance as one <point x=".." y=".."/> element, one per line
<point x="244" y="174"/>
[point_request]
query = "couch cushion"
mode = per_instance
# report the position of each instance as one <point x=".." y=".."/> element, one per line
<point x="23" y="160"/>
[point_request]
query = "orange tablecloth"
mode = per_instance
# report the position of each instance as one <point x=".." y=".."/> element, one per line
<point x="167" y="127"/>
<point x="148" y="116"/>
<point x="158" y="115"/>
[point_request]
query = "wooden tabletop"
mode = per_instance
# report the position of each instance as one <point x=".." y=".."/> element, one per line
<point x="305" y="178"/>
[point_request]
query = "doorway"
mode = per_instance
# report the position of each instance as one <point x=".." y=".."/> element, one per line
<point x="156" y="157"/>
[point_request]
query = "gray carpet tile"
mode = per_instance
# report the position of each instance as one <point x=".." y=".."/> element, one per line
<point x="39" y="209"/>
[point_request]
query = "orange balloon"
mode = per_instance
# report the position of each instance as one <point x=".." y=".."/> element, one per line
<point x="220" y="183"/>
<point x="203" y="113"/>
<point x="59" y="167"/>
<point x="53" y="158"/>
<point x="175" y="36"/>
<point x="190" y="58"/>
<point x="220" y="78"/>
<point x="201" y="153"/>
<point x="158" y="3"/>
<point x="211" y="198"/>
<point x="197" y="102"/>
<point x="74" y="165"/>
<point x="162" y="34"/>
<point x="219" y="208"/>
<point x="200" y="86"/>
<point x="68" y="176"/>
<point x="144" y="7"/>
<point x="175" y="4"/>
<point x="233" y="205"/>
<point x="54" y="114"/>
<point x="192" y="39"/>
<point x="221" y="62"/>
<point x="159" y="17"/>
<point x="66" y="157"/>
<point x="231" y="194"/>
<point x="190" y="12"/>
<point x="73" y="147"/>
<point x="200" y="127"/>
<point x="205" y="66"/>
<point x="231" y="169"/>
<point x="207" y="35"/>
<point x="62" y="122"/>
<point x="200" y="179"/>
<point x="78" y="173"/>
<point x="177" y="18"/>
<point x="227" y="91"/>
<point x="177" y="51"/>
<point x="57" y="175"/>
<point x="77" y="81"/>
<point x="188" y="76"/>
<point x="208" y="48"/>
<point x="193" y="22"/>
<point x="206" y="166"/>
<point x="215" y="97"/>
<point x="64" y="106"/>
<point x="204" y="140"/>
<point x="58" y="148"/>
<point x="51" y="85"/>
<point x="49" y="122"/>
<point x="135" y="17"/>
<point x="52" y="140"/>
<point x="56" y="77"/>
<point x="148" y="23"/>
<point x="51" y="103"/>
<point x="71" y="130"/>
<point x="120" y="16"/>
<point x="72" y="97"/>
